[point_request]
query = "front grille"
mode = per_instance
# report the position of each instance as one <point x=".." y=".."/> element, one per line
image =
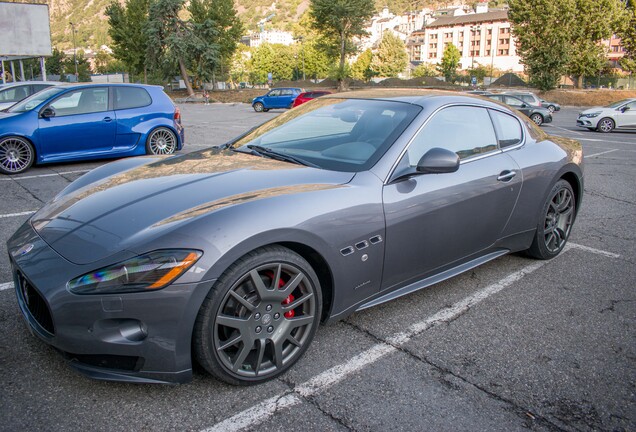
<point x="35" y="304"/>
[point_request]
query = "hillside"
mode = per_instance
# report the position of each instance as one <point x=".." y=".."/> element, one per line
<point x="92" y="26"/>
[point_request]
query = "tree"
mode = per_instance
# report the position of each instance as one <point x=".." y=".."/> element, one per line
<point x="239" y="64"/>
<point x="215" y="22"/>
<point x="339" y="21"/>
<point x="275" y="58"/>
<point x="450" y="62"/>
<point x="425" y="70"/>
<point x="127" y="26"/>
<point x="83" y="67"/>
<point x="564" y="36"/>
<point x="391" y="58"/>
<point x="55" y="63"/>
<point x="317" y="62"/>
<point x="628" y="38"/>
<point x="170" y="38"/>
<point x="361" y="68"/>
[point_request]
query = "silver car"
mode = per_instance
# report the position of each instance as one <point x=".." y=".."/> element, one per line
<point x="232" y="256"/>
<point x="12" y="93"/>
<point x="619" y="115"/>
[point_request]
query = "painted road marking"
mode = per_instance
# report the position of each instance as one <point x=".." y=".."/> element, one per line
<point x="44" y="175"/>
<point x="601" y="153"/>
<point x="263" y="411"/>
<point x="8" y="215"/>
<point x="6" y="286"/>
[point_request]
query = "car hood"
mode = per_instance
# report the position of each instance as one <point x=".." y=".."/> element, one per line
<point x="114" y="213"/>
<point x="594" y="109"/>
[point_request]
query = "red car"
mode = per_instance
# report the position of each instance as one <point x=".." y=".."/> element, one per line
<point x="307" y="96"/>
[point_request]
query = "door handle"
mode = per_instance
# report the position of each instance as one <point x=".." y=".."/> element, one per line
<point x="506" y="176"/>
<point x="108" y="119"/>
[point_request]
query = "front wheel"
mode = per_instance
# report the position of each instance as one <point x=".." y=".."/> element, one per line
<point x="258" y="107"/>
<point x="551" y="108"/>
<point x="259" y="318"/>
<point x="555" y="224"/>
<point x="16" y="155"/>
<point x="537" y="119"/>
<point x="161" y="141"/>
<point x="605" y="125"/>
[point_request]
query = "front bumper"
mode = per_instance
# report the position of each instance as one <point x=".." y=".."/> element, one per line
<point x="136" y="337"/>
<point x="587" y="122"/>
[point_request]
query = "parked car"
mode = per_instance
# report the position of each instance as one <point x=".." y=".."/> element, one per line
<point x="13" y="93"/>
<point x="276" y="98"/>
<point x="88" y="121"/>
<point x="307" y="96"/>
<point x="232" y="256"/>
<point x="619" y="115"/>
<point x="537" y="114"/>
<point x="552" y="106"/>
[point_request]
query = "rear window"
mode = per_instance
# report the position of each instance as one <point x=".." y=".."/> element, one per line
<point x="131" y="97"/>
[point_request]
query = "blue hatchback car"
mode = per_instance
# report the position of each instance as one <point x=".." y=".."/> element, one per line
<point x="276" y="98"/>
<point x="88" y="121"/>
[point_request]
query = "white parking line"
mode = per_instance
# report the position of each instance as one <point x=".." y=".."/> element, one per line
<point x="6" y="286"/>
<point x="263" y="411"/>
<point x="601" y="153"/>
<point x="606" y="141"/>
<point x="44" y="175"/>
<point x="8" y="215"/>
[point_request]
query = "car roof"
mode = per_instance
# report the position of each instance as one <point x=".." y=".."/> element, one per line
<point x="22" y="83"/>
<point x="419" y="97"/>
<point x="87" y="84"/>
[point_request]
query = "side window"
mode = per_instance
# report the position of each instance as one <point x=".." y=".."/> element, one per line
<point x="14" y="94"/>
<point x="38" y="87"/>
<point x="631" y="106"/>
<point x="513" y="101"/>
<point x="508" y="129"/>
<point x="84" y="101"/>
<point x="131" y="97"/>
<point x="274" y="93"/>
<point x="286" y="92"/>
<point x="467" y="131"/>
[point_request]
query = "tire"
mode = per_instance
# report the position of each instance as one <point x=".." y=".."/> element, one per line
<point x="605" y="125"/>
<point x="555" y="224"/>
<point x="161" y="141"/>
<point x="16" y="155"/>
<point x="249" y="329"/>
<point x="551" y="108"/>
<point x="258" y="107"/>
<point x="265" y="109"/>
<point x="537" y="119"/>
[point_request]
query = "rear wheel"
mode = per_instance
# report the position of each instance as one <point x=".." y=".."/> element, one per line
<point x="16" y="155"/>
<point x="161" y="141"/>
<point x="605" y="125"/>
<point x="555" y="224"/>
<point x="259" y="318"/>
<point x="537" y="119"/>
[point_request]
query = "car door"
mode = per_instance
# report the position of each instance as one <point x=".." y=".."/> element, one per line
<point x="286" y="98"/>
<point x="627" y="118"/>
<point x="434" y="220"/>
<point x="271" y="99"/>
<point x="83" y="123"/>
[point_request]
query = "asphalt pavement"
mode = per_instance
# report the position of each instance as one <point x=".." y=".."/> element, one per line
<point x="513" y="345"/>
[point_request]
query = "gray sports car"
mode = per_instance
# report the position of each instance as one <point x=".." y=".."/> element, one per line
<point x="232" y="256"/>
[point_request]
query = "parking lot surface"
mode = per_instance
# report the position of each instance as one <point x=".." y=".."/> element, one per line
<point x="515" y="344"/>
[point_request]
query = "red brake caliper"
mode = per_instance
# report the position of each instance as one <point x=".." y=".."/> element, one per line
<point x="290" y="298"/>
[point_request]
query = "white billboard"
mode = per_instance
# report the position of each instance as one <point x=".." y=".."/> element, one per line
<point x="26" y="31"/>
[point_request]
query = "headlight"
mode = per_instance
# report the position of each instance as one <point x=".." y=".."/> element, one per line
<point x="151" y="271"/>
<point x="591" y="115"/>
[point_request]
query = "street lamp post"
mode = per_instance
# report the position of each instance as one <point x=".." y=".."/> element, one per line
<point x="74" y="51"/>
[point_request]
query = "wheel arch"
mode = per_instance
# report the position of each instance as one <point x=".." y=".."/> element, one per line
<point x="577" y="187"/>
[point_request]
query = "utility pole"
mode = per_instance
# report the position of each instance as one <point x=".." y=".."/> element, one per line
<point x="74" y="52"/>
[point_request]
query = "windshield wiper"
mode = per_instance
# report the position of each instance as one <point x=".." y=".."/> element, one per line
<point x="264" y="151"/>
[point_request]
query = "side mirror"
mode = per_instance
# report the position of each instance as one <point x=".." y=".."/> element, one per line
<point x="625" y="108"/>
<point x="524" y="105"/>
<point x="437" y="161"/>
<point x="47" y="112"/>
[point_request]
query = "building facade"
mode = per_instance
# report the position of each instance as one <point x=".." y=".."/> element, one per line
<point x="483" y="38"/>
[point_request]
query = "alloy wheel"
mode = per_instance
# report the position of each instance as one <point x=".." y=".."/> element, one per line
<point x="537" y="119"/>
<point x="162" y="141"/>
<point x="606" y="125"/>
<point x="265" y="320"/>
<point x="16" y="155"/>
<point x="558" y="220"/>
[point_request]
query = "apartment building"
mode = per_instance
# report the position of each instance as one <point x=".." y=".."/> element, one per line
<point x="483" y="38"/>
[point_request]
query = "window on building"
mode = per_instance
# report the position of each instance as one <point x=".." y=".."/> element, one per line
<point x="489" y="32"/>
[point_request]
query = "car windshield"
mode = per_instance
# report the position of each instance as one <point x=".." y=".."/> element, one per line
<point x="332" y="133"/>
<point x="619" y="103"/>
<point x="34" y="100"/>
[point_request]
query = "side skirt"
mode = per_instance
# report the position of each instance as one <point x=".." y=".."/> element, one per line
<point x="432" y="280"/>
